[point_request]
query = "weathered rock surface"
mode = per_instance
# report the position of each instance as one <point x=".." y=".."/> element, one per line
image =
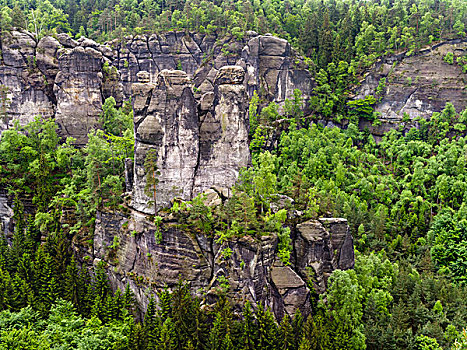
<point x="166" y="123"/>
<point x="68" y="80"/>
<point x="417" y="85"/>
<point x="194" y="151"/>
<point x="251" y="271"/>
<point x="28" y="88"/>
<point x="190" y="94"/>
<point x="77" y="88"/>
<point x="321" y="247"/>
<point x="223" y="149"/>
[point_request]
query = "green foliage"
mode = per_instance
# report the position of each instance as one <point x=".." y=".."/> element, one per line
<point x="449" y="232"/>
<point x="252" y="113"/>
<point x="158" y="232"/>
<point x="117" y="121"/>
<point x="363" y="107"/>
<point x="449" y="58"/>
<point x="461" y="343"/>
<point x="60" y="177"/>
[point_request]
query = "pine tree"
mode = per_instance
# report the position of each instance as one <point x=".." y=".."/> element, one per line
<point x="249" y="336"/>
<point x="267" y="329"/>
<point x="286" y="335"/>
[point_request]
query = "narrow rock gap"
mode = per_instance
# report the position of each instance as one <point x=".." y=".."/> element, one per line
<point x="150" y="52"/>
<point x="198" y="157"/>
<point x="145" y="109"/>
<point x="188" y="49"/>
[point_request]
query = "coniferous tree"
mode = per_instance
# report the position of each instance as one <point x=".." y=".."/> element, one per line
<point x="267" y="329"/>
<point x="151" y="326"/>
<point x="221" y="330"/>
<point x="249" y="336"/>
<point x="286" y="337"/>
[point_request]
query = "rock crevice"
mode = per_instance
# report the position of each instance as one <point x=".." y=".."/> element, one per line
<point x="252" y="271"/>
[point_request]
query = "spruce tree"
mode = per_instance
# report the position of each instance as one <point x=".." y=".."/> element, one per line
<point x="73" y="290"/>
<point x="297" y="325"/>
<point x="167" y="337"/>
<point x="286" y="335"/>
<point x="267" y="329"/>
<point x="249" y="336"/>
<point x="151" y="325"/>
<point x="200" y="331"/>
<point x="182" y="314"/>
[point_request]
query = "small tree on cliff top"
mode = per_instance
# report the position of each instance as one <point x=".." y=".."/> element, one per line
<point x="152" y="172"/>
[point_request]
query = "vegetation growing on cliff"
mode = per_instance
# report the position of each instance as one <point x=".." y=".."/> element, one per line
<point x="326" y="31"/>
<point x="404" y="198"/>
<point x="408" y="294"/>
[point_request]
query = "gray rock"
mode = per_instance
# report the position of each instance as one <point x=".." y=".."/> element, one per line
<point x="78" y="90"/>
<point x="166" y="122"/>
<point x="416" y="86"/>
<point x="224" y="133"/>
<point x="250" y="272"/>
<point x="321" y="247"/>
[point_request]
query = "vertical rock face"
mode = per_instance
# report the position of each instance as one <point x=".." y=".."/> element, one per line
<point x="224" y="132"/>
<point x="78" y="91"/>
<point x="166" y="123"/>
<point x="22" y="74"/>
<point x="416" y="86"/>
<point x="58" y="77"/>
<point x="274" y="68"/>
<point x="252" y="271"/>
<point x="194" y="151"/>
<point x="194" y="123"/>
<point x="321" y="247"/>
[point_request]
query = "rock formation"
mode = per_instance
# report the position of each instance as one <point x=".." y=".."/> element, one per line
<point x="416" y="86"/>
<point x="68" y="80"/>
<point x="166" y="123"/>
<point x="194" y="152"/>
<point x="253" y="272"/>
<point x="190" y="96"/>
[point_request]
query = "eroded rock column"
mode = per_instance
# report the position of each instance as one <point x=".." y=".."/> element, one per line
<point x="78" y="92"/>
<point x="166" y="123"/>
<point x="224" y="132"/>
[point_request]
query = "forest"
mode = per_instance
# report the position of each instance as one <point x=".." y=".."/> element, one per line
<point x="405" y="198"/>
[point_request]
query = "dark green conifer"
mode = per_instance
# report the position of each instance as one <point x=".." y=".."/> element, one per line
<point x="249" y="336"/>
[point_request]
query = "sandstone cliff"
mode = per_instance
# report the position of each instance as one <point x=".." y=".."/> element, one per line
<point x="68" y="80"/>
<point x="190" y="96"/>
<point x="416" y="85"/>
<point x="252" y="272"/>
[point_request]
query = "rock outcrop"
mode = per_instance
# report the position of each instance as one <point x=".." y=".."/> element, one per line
<point x="58" y="77"/>
<point x="167" y="124"/>
<point x="190" y="96"/>
<point x="77" y="88"/>
<point x="245" y="268"/>
<point x="28" y="89"/>
<point x="416" y="86"/>
<point x="194" y="151"/>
